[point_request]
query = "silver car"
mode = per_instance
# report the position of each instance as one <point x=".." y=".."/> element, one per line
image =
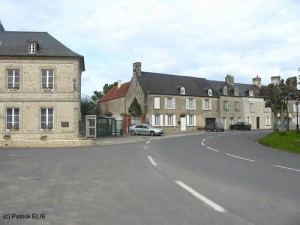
<point x="145" y="129"/>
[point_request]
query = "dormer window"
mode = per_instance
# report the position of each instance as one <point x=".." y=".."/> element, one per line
<point x="251" y="93"/>
<point x="225" y="91"/>
<point x="32" y="46"/>
<point x="182" y="91"/>
<point x="209" y="92"/>
<point x="236" y="92"/>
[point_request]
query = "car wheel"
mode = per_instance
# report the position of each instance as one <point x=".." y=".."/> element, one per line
<point x="152" y="133"/>
<point x="133" y="132"/>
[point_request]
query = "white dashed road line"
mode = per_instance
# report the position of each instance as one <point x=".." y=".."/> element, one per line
<point x="213" y="149"/>
<point x="207" y="201"/>
<point x="241" y="158"/>
<point x="152" y="161"/>
<point x="288" y="168"/>
<point x="148" y="142"/>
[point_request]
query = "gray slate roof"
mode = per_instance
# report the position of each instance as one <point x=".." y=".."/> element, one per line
<point x="166" y="84"/>
<point x="243" y="88"/>
<point x="15" y="43"/>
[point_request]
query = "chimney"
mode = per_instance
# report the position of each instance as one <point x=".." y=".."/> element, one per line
<point x="229" y="79"/>
<point x="119" y="83"/>
<point x="137" y="69"/>
<point x="257" y="81"/>
<point x="275" y="80"/>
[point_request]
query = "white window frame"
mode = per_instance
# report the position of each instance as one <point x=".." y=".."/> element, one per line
<point x="268" y="121"/>
<point x="251" y="107"/>
<point x="32" y="47"/>
<point x="170" y="120"/>
<point x="156" y="102"/>
<point x="48" y="123"/>
<point x="157" y="120"/>
<point x="190" y="104"/>
<point x="206" y="104"/>
<point x="14" y="85"/>
<point x="169" y="103"/>
<point x="248" y="119"/>
<point x="209" y="92"/>
<point x="15" y="119"/>
<point x="47" y="84"/>
<point x="182" y="90"/>
<point x="191" y="120"/>
<point x="225" y="105"/>
<point x="266" y="109"/>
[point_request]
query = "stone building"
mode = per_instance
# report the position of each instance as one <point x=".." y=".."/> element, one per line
<point x="40" y="87"/>
<point x="183" y="103"/>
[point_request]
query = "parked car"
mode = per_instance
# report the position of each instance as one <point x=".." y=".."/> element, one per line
<point x="145" y="129"/>
<point x="240" y="126"/>
<point x="214" y="127"/>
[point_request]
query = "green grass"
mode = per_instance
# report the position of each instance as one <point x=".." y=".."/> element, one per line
<point x="288" y="142"/>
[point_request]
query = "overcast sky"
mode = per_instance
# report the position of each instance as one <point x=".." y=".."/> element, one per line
<point x="200" y="38"/>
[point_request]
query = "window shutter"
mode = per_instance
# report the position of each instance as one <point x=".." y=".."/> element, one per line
<point x="203" y="104"/>
<point x="210" y="104"/>
<point x="153" y="120"/>
<point x="174" y="120"/>
<point x="173" y="103"/>
<point x="187" y="103"/>
<point x="188" y="120"/>
<point x="166" y="103"/>
<point x="195" y="120"/>
<point x="295" y="108"/>
<point x="161" y="120"/>
<point x="194" y="104"/>
<point x="166" y="120"/>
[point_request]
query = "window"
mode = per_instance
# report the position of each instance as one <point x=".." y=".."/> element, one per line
<point x="266" y="109"/>
<point x="206" y="104"/>
<point x="209" y="92"/>
<point x="237" y="106"/>
<point x="252" y="109"/>
<point x="182" y="90"/>
<point x="156" y="102"/>
<point x="170" y="120"/>
<point x="47" y="79"/>
<point x="268" y="121"/>
<point x="12" y="119"/>
<point x="231" y="120"/>
<point x="47" y="118"/>
<point x="13" y="79"/>
<point x="236" y="91"/>
<point x="225" y="105"/>
<point x="295" y="108"/>
<point x="239" y="119"/>
<point x="169" y="103"/>
<point x="248" y="119"/>
<point x="191" y="120"/>
<point x="251" y="93"/>
<point x="157" y="120"/>
<point x="32" y="47"/>
<point x="225" y="91"/>
<point x="191" y="104"/>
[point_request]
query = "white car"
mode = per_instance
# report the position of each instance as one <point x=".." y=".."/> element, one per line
<point x="145" y="129"/>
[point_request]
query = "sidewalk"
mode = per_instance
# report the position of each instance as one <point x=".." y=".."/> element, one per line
<point x="128" y="138"/>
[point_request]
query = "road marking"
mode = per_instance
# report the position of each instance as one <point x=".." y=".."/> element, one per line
<point x="152" y="161"/>
<point x="288" y="168"/>
<point x="212" y="149"/>
<point x="241" y="158"/>
<point x="209" y="202"/>
<point x="148" y="142"/>
<point x="203" y="143"/>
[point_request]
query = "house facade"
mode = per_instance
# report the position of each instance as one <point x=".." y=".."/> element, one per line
<point x="40" y="87"/>
<point x="181" y="103"/>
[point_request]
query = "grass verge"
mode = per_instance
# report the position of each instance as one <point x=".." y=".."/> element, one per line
<point x="288" y="142"/>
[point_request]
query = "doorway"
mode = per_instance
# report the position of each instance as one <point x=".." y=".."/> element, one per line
<point x="183" y="123"/>
<point x="257" y="122"/>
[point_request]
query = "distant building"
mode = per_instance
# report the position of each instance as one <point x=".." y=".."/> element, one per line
<point x="40" y="86"/>
<point x="189" y="103"/>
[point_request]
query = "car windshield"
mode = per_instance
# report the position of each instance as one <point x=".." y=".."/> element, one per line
<point x="150" y="126"/>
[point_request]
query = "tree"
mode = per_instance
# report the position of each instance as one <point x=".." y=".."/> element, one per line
<point x="88" y="106"/>
<point x="97" y="95"/>
<point x="276" y="97"/>
<point x="135" y="108"/>
<point x="107" y="87"/>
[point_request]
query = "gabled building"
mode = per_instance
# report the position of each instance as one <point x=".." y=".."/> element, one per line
<point x="180" y="103"/>
<point x="40" y="87"/>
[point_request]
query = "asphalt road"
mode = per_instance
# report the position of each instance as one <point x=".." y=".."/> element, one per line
<point x="210" y="178"/>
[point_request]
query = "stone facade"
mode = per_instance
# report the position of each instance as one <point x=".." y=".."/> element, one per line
<point x="30" y="98"/>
